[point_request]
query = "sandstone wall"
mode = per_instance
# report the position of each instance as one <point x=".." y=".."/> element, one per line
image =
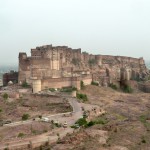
<point x="55" y="66"/>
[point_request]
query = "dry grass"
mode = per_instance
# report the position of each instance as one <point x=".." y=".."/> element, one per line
<point x="125" y="129"/>
<point x="33" y="105"/>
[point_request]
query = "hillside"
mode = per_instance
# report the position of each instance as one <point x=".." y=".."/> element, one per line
<point x="127" y="126"/>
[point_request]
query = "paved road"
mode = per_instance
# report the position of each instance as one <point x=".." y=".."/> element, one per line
<point x="77" y="113"/>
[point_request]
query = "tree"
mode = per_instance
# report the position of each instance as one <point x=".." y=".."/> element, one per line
<point x="81" y="85"/>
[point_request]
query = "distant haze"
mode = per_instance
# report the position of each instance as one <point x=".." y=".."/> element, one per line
<point x="113" y="27"/>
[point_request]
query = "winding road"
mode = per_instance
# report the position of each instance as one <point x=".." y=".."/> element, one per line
<point x="50" y="136"/>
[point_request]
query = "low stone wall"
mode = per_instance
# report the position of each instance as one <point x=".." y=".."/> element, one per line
<point x="65" y="82"/>
<point x="143" y="87"/>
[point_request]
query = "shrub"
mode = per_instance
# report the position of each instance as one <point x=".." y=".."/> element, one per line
<point x="21" y="135"/>
<point x="52" y="89"/>
<point x="69" y="89"/>
<point x="1" y="110"/>
<point x="91" y="123"/>
<point x="44" y="131"/>
<point x="75" y="61"/>
<point x="25" y="84"/>
<point x="58" y="125"/>
<point x="94" y="83"/>
<point x="25" y="116"/>
<point x="74" y="126"/>
<point x="82" y="97"/>
<point x="113" y="86"/>
<point x="92" y="62"/>
<point x="81" y="122"/>
<point x="101" y="121"/>
<point x="143" y="118"/>
<point x="5" y="96"/>
<point x="82" y="85"/>
<point x="143" y="139"/>
<point x="34" y="131"/>
<point x="127" y="89"/>
<point x="40" y="116"/>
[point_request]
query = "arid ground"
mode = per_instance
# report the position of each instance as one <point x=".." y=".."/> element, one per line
<point x="127" y="126"/>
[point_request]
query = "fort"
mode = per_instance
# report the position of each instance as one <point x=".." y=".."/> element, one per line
<point x="60" y="66"/>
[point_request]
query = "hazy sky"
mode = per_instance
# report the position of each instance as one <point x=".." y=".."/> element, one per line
<point x="115" y="27"/>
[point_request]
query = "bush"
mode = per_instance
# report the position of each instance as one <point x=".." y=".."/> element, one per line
<point x="20" y="135"/>
<point x="82" y="97"/>
<point x="25" y="116"/>
<point x="143" y="118"/>
<point x="75" y="61"/>
<point x="91" y="123"/>
<point x="94" y="83"/>
<point x="5" y="96"/>
<point x="52" y="89"/>
<point x="82" y="85"/>
<point x="40" y="116"/>
<point x="25" y="84"/>
<point x="74" y="126"/>
<point x="69" y="89"/>
<point x="113" y="86"/>
<point x="101" y="121"/>
<point x="92" y="62"/>
<point x="1" y="110"/>
<point x="143" y="139"/>
<point x="81" y="122"/>
<point x="127" y="89"/>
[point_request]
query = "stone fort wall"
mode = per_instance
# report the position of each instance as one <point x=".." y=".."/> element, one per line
<point x="58" y="66"/>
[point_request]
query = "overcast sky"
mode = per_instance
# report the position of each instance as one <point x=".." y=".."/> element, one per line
<point x="113" y="27"/>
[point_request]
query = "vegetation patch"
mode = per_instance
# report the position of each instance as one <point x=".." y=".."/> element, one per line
<point x="75" y="61"/>
<point x="25" y="117"/>
<point x="20" y="135"/>
<point x="127" y="89"/>
<point x="143" y="140"/>
<point x="82" y="97"/>
<point x="52" y="89"/>
<point x="25" y="85"/>
<point x="92" y="62"/>
<point x="81" y="122"/>
<point x="69" y="89"/>
<point x="113" y="86"/>
<point x="5" y="96"/>
<point x="94" y="83"/>
<point x="143" y="119"/>
<point x="82" y="86"/>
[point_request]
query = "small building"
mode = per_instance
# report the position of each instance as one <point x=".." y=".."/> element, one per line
<point x="12" y="77"/>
